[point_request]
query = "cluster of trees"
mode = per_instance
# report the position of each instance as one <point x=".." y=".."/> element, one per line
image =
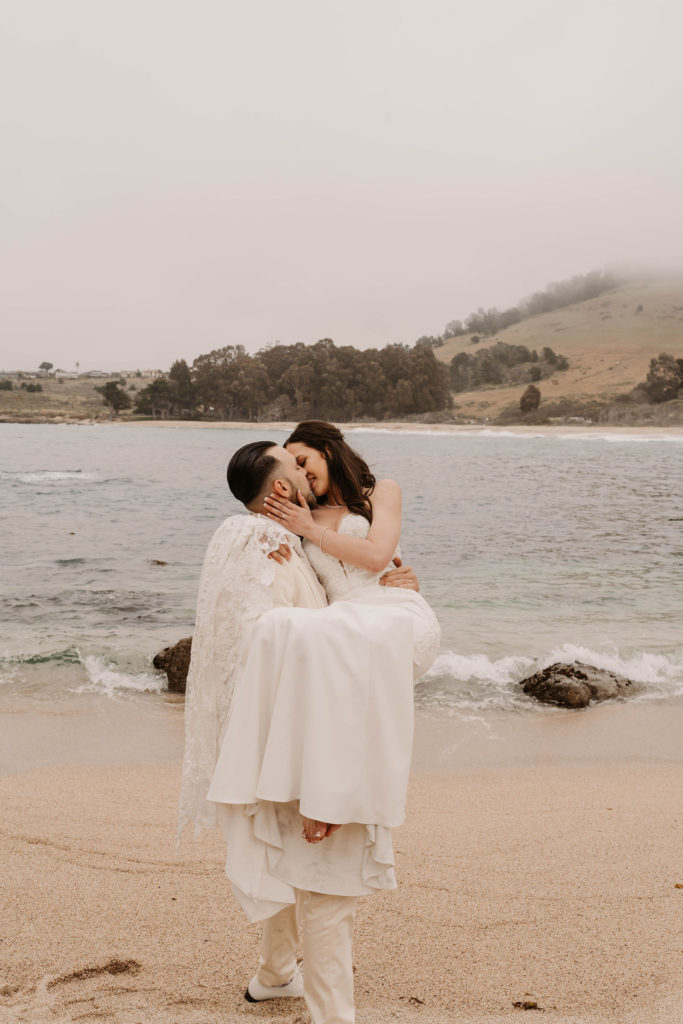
<point x="298" y="382"/>
<point x="503" y="364"/>
<point x="486" y="322"/>
<point x="173" y="394"/>
<point x="6" y="385"/>
<point x="664" y="380"/>
<point x="114" y="397"/>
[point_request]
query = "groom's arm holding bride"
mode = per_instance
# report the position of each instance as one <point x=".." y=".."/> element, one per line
<point x="400" y="576"/>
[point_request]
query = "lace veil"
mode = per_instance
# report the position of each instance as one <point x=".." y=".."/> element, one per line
<point x="234" y="590"/>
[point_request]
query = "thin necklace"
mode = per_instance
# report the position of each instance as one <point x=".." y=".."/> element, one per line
<point x="333" y="506"/>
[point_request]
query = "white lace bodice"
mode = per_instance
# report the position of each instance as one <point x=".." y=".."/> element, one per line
<point x="340" y="579"/>
<point x="344" y="582"/>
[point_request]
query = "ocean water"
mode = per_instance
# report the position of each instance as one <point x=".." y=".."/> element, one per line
<point x="530" y="549"/>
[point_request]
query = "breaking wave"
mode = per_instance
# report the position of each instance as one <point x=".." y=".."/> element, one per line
<point x="476" y="683"/>
<point x="54" y="674"/>
<point x="51" y="476"/>
<point x="106" y="678"/>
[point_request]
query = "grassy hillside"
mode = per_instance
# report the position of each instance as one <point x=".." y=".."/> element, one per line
<point x="608" y="342"/>
<point x="68" y="399"/>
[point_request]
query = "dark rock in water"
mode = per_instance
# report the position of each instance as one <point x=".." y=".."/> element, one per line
<point x="574" y="686"/>
<point x="175" y="662"/>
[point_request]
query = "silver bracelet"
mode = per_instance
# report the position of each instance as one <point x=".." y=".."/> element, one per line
<point x="320" y="542"/>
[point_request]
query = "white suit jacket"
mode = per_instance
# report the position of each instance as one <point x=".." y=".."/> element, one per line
<point x="295" y="583"/>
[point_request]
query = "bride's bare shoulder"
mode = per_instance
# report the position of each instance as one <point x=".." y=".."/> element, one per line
<point x="386" y="491"/>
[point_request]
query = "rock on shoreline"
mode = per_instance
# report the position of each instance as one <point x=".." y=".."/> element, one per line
<point x="175" y="662"/>
<point x="575" y="685"/>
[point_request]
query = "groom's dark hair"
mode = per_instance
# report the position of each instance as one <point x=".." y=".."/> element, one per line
<point x="249" y="469"/>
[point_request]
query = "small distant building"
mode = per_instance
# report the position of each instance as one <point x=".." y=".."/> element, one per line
<point x="132" y="374"/>
<point x="66" y="375"/>
<point x="96" y="373"/>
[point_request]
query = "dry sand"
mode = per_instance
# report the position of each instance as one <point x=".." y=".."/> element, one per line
<point x="528" y="876"/>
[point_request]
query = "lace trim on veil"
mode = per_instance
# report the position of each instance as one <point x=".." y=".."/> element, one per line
<point x="234" y="590"/>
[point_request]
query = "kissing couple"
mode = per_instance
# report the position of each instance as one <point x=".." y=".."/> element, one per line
<point x="299" y="707"/>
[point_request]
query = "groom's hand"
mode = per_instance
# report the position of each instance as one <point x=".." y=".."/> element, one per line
<point x="281" y="554"/>
<point x="402" y="576"/>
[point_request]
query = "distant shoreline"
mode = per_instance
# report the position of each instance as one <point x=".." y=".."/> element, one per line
<point x="403" y="427"/>
<point x="382" y="426"/>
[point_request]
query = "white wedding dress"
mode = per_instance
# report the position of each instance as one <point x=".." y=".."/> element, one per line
<point x="321" y="725"/>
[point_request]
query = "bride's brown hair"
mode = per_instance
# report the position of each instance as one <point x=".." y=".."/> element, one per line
<point x="348" y="472"/>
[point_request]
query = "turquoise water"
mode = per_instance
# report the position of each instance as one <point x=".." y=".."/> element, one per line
<point x="529" y="548"/>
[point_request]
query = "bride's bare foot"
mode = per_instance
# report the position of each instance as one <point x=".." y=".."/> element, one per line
<point x="315" y="831"/>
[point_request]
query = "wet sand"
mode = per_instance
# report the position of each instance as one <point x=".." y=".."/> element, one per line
<point x="538" y="862"/>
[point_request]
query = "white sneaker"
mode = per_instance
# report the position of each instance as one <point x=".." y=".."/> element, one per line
<point x="294" y="989"/>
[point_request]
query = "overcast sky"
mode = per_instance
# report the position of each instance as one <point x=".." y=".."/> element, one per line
<point x="179" y="176"/>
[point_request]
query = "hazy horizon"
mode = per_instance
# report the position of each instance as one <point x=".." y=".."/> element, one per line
<point x="177" y="179"/>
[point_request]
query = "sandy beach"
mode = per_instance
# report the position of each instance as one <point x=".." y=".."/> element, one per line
<point x="538" y="863"/>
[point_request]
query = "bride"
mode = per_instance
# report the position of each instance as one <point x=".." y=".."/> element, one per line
<point x="352" y="535"/>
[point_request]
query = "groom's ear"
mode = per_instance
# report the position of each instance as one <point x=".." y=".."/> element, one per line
<point x="280" y="488"/>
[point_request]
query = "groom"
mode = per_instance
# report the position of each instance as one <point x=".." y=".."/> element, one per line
<point x="323" y="877"/>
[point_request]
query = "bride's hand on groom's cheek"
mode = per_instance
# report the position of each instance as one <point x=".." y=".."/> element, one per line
<point x="296" y="518"/>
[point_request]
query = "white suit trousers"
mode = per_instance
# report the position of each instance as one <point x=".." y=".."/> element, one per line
<point x="327" y="925"/>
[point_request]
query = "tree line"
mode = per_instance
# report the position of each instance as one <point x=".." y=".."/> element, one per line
<point x="288" y="382"/>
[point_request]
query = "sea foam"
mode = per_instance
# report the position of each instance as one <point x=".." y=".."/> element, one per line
<point x="105" y="678"/>
<point x="53" y="477"/>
